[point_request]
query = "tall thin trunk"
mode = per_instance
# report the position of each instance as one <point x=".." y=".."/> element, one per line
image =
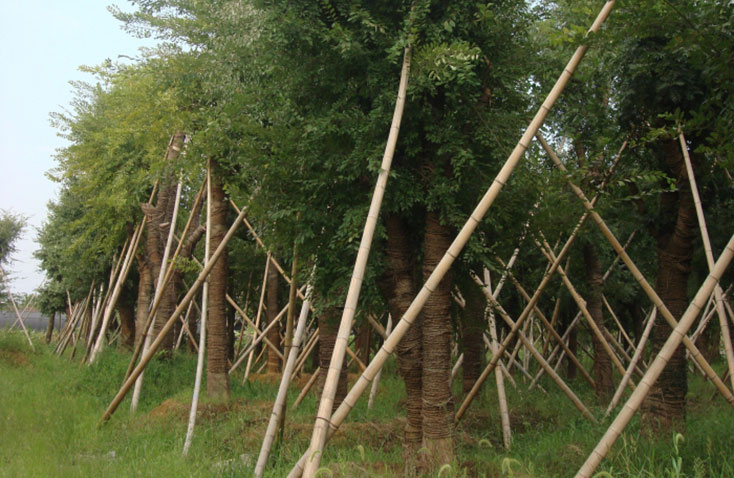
<point x="362" y="342"/>
<point x="126" y="311"/>
<point x="142" y="304"/>
<point x="217" y="378"/>
<point x="271" y="302"/>
<point x="665" y="406"/>
<point x="398" y="286"/>
<point x="50" y="328"/>
<point x="602" y="368"/>
<point x="472" y="327"/>
<point x="438" y="404"/>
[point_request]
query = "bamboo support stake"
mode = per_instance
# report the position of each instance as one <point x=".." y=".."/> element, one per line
<point x="459" y="242"/>
<point x="543" y="363"/>
<point x="15" y="308"/>
<point x="649" y="290"/>
<point x="259" y="336"/>
<point x="172" y="320"/>
<point x="581" y="304"/>
<point x="279" y="406"/>
<point x="321" y="425"/>
<point x="555" y="351"/>
<point x="204" y="311"/>
<point x="159" y="288"/>
<point x="499" y="379"/>
<point x="259" y="314"/>
<point x="307" y="351"/>
<point x="306" y="388"/>
<point x="619" y="324"/>
<point x="287" y="344"/>
<point x="726" y="336"/>
<point x="551" y="330"/>
<point x="657" y="366"/>
<point x="376" y="381"/>
<point x="635" y="358"/>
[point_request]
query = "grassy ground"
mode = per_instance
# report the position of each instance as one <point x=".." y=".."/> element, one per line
<point x="49" y="408"/>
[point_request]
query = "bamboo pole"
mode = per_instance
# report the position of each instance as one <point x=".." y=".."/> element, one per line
<point x="290" y="318"/>
<point x="15" y="308"/>
<point x="204" y="311"/>
<point x="553" y="353"/>
<point x="259" y="336"/>
<point x="159" y="288"/>
<point x="279" y="405"/>
<point x="635" y="358"/>
<point x="271" y="346"/>
<point x="172" y="320"/>
<point x="306" y="388"/>
<point x="657" y="366"/>
<point x="619" y="324"/>
<point x="238" y="349"/>
<point x="259" y="314"/>
<point x="551" y="330"/>
<point x="649" y="290"/>
<point x="499" y="379"/>
<point x="328" y="394"/>
<point x="581" y="304"/>
<point x="726" y="336"/>
<point x="307" y="351"/>
<point x="440" y="271"/>
<point x="534" y="352"/>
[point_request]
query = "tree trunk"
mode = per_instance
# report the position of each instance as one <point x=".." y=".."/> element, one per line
<point x="472" y="328"/>
<point x="602" y="369"/>
<point x="126" y="311"/>
<point x="362" y="342"/>
<point x="664" y="408"/>
<point x="271" y="302"/>
<point x="142" y="304"/>
<point x="438" y="406"/>
<point x="217" y="378"/>
<point x="328" y="326"/>
<point x="50" y="328"/>
<point x="398" y="287"/>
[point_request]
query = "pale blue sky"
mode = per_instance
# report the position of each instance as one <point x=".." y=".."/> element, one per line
<point x="42" y="44"/>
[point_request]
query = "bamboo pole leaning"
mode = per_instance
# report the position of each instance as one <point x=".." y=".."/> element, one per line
<point x="718" y="294"/>
<point x="257" y="318"/>
<point x="204" y="311"/>
<point x="653" y="372"/>
<point x="326" y="405"/>
<point x="376" y="381"/>
<point x="15" y="308"/>
<point x="279" y="405"/>
<point x="459" y="242"/>
<point x="172" y="320"/>
<point x="637" y="274"/>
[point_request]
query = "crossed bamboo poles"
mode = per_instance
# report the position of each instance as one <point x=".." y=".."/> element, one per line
<point x="334" y="420"/>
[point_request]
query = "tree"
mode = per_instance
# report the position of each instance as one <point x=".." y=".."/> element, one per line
<point x="11" y="228"/>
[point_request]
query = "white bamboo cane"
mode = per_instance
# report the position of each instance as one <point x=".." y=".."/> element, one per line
<point x="204" y="311"/>
<point x="326" y="405"/>
<point x="726" y="336"/>
<point x="657" y="366"/>
<point x="160" y="285"/>
<point x="259" y="314"/>
<point x="279" y="406"/>
<point x="454" y="250"/>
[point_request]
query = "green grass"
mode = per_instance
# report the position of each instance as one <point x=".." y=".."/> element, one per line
<point x="49" y="408"/>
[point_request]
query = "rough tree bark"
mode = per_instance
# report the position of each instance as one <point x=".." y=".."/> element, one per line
<point x="126" y="312"/>
<point x="438" y="405"/>
<point x="328" y="323"/>
<point x="398" y="286"/>
<point x="143" y="301"/>
<point x="271" y="302"/>
<point x="472" y="327"/>
<point x="217" y="378"/>
<point x="665" y="407"/>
